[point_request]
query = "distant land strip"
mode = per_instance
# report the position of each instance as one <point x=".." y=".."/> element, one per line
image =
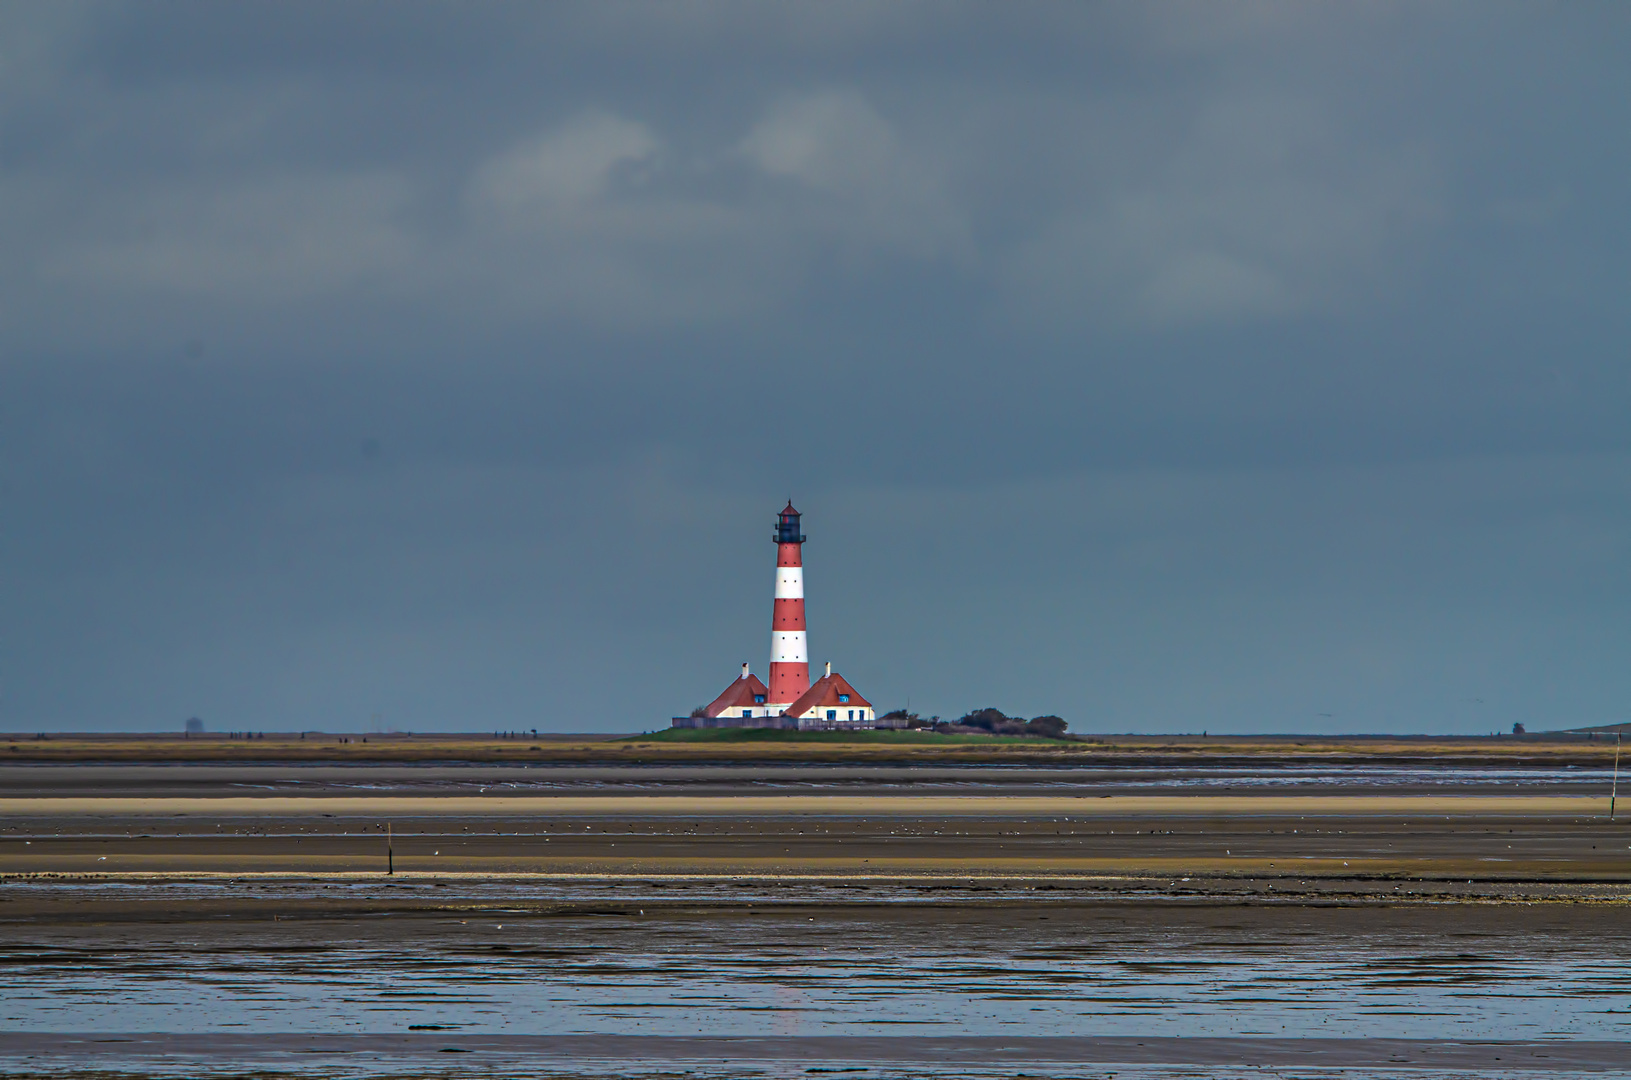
<point x="1552" y="750"/>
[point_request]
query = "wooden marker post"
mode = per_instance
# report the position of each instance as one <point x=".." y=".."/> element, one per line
<point x="390" y="856"/>
<point x="1614" y="787"/>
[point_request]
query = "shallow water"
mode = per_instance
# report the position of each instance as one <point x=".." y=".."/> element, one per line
<point x="813" y="973"/>
<point x="1302" y="777"/>
<point x="1299" y="777"/>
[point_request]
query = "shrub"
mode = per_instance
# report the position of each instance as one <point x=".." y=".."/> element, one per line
<point x="1051" y="727"/>
<point x="988" y="719"/>
<point x="998" y="722"/>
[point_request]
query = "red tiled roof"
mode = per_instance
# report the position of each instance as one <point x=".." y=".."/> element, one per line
<point x="790" y="509"/>
<point x="739" y="695"/>
<point x="824" y="695"/>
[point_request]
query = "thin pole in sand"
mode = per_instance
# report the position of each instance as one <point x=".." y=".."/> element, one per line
<point x="1614" y="788"/>
<point x="390" y="855"/>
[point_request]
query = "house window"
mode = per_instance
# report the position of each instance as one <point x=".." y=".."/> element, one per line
<point x="758" y="699"/>
<point x="852" y="714"/>
<point x="832" y="714"/>
<point x="747" y="712"/>
<point x="843" y="699"/>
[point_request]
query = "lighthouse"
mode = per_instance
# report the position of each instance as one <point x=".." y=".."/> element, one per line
<point x="789" y="651"/>
<point x="790" y="701"/>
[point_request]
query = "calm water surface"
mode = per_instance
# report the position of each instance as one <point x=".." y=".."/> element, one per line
<point x="801" y="971"/>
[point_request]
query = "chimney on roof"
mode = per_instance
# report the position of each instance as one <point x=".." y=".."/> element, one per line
<point x="744" y="669"/>
<point x="829" y="669"/>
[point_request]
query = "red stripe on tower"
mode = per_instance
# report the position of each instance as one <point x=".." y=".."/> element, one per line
<point x="789" y="654"/>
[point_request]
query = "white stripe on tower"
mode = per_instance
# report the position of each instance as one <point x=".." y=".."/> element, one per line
<point x="789" y="653"/>
<point x="788" y="647"/>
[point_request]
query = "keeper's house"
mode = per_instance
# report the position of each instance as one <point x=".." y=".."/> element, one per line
<point x="831" y="704"/>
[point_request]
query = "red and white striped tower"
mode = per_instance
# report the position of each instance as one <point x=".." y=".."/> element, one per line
<point x="789" y="654"/>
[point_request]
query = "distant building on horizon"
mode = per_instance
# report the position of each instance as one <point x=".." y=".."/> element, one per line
<point x="790" y="700"/>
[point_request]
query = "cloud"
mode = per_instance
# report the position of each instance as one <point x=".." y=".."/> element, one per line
<point x="1263" y="210"/>
<point x="1200" y="28"/>
<point x="833" y="140"/>
<point x="546" y="175"/>
<point x="592" y="222"/>
<point x="600" y="220"/>
<point x="265" y="241"/>
<point x="604" y="220"/>
<point x="853" y="178"/>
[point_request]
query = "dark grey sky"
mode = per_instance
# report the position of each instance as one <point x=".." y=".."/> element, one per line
<point x="1253" y="367"/>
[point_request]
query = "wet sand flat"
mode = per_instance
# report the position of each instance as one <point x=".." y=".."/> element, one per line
<point x="871" y="806"/>
<point x="1271" y="839"/>
<point x="50" y="1053"/>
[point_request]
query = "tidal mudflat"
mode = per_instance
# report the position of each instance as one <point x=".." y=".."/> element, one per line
<point x="960" y="922"/>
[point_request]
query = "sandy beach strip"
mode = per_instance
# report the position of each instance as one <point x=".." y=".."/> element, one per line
<point x="867" y="806"/>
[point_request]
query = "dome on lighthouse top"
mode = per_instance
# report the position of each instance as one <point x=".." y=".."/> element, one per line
<point x="787" y="526"/>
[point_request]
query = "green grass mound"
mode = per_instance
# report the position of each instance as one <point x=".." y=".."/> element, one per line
<point x="777" y="735"/>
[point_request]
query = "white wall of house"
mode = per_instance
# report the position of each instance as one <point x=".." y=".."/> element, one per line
<point x="842" y="714"/>
<point x="751" y="710"/>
